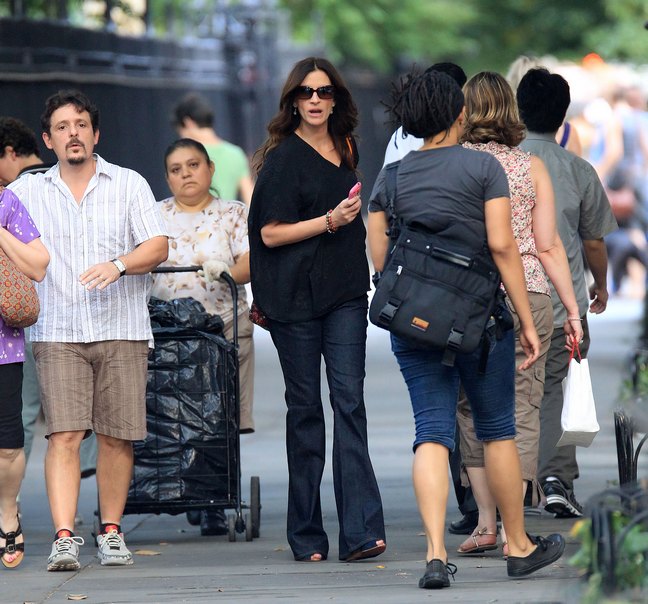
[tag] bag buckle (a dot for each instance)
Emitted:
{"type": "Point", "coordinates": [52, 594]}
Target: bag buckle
{"type": "Point", "coordinates": [387, 312]}
{"type": "Point", "coordinates": [452, 346]}
{"type": "Point", "coordinates": [454, 339]}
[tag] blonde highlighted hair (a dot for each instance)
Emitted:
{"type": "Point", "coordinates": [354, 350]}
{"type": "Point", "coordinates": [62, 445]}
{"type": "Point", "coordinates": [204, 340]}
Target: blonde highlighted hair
{"type": "Point", "coordinates": [491, 111]}
{"type": "Point", "coordinates": [519, 67]}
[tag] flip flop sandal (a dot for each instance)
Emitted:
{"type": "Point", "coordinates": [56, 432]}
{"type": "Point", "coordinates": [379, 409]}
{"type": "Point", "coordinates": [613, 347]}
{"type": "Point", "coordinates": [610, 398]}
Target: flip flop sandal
{"type": "Point", "coordinates": [11, 547]}
{"type": "Point", "coordinates": [368, 550]}
{"type": "Point", "coordinates": [479, 542]}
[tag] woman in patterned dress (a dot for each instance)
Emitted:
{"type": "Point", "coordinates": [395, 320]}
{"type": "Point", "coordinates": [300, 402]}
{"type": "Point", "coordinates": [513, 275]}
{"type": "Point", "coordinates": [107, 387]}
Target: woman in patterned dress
{"type": "Point", "coordinates": [211, 232]}
{"type": "Point", "coordinates": [493, 125]}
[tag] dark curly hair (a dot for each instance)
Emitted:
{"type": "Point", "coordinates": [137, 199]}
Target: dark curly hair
{"type": "Point", "coordinates": [426, 104]}
{"type": "Point", "coordinates": [491, 111]}
{"type": "Point", "coordinates": [15, 134]}
{"type": "Point", "coordinates": [69, 97]}
{"type": "Point", "coordinates": [341, 124]}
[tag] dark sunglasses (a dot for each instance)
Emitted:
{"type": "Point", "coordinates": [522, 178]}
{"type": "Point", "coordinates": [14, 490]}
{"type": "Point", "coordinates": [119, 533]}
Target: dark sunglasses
{"type": "Point", "coordinates": [303, 93]}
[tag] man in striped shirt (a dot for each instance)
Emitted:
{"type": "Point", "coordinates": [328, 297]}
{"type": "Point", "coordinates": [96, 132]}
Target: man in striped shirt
{"type": "Point", "coordinates": [105, 234]}
{"type": "Point", "coordinates": [19, 155]}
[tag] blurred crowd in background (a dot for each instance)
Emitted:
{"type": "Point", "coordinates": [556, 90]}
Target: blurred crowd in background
{"type": "Point", "coordinates": [609, 114]}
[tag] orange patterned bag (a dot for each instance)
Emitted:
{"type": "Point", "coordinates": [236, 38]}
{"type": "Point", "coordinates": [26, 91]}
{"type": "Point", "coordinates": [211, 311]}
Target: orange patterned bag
{"type": "Point", "coordinates": [19, 305]}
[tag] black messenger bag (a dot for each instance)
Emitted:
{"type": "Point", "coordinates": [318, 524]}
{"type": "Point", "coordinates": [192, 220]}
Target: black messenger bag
{"type": "Point", "coordinates": [432, 293]}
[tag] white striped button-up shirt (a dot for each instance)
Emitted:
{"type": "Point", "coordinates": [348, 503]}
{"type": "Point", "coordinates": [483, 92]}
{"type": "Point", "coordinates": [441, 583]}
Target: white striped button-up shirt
{"type": "Point", "coordinates": [117, 212]}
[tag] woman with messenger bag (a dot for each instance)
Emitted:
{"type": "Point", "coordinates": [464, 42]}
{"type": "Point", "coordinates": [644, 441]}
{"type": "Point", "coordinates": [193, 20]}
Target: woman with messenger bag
{"type": "Point", "coordinates": [446, 189]}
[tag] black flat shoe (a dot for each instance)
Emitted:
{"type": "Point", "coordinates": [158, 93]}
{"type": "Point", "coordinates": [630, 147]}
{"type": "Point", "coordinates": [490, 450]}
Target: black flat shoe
{"type": "Point", "coordinates": [436, 575]}
{"type": "Point", "coordinates": [465, 525]}
{"type": "Point", "coordinates": [549, 550]}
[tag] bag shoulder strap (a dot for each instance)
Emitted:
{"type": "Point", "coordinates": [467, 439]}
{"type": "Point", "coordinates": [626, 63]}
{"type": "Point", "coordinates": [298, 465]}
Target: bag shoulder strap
{"type": "Point", "coordinates": [391, 174]}
{"type": "Point", "coordinates": [565, 136]}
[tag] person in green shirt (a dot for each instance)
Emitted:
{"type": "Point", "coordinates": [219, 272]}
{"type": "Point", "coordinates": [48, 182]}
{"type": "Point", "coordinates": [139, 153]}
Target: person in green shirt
{"type": "Point", "coordinates": [194, 118]}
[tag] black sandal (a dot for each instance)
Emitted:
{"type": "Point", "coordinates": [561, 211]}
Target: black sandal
{"type": "Point", "coordinates": [11, 547]}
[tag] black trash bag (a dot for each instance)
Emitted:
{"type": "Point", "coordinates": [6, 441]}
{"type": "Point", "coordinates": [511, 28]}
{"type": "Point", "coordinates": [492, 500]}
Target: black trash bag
{"type": "Point", "coordinates": [186, 313]}
{"type": "Point", "coordinates": [189, 454]}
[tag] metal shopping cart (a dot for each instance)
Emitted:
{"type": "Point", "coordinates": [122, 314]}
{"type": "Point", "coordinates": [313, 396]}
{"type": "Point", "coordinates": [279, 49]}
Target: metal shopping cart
{"type": "Point", "coordinates": [190, 459]}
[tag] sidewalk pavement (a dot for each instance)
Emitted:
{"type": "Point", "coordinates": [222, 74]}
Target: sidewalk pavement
{"type": "Point", "coordinates": [173, 563]}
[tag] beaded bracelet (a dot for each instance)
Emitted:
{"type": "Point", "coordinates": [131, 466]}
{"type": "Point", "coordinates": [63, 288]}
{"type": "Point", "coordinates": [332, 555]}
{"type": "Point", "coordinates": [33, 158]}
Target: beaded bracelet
{"type": "Point", "coordinates": [574, 319]}
{"type": "Point", "coordinates": [330, 227]}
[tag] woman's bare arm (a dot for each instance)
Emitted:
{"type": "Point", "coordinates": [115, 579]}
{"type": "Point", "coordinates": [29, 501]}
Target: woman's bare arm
{"type": "Point", "coordinates": [506, 255]}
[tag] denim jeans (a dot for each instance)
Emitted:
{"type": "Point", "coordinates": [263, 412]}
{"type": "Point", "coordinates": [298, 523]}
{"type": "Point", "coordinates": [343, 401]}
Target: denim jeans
{"type": "Point", "coordinates": [340, 338]}
{"type": "Point", "coordinates": [434, 389]}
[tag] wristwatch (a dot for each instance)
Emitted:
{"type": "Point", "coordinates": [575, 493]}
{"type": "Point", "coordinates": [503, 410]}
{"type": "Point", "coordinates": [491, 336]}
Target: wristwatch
{"type": "Point", "coordinates": [121, 267]}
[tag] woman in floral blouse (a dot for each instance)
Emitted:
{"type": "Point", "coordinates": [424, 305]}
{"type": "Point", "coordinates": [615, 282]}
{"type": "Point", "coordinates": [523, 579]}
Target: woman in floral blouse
{"type": "Point", "coordinates": [211, 232]}
{"type": "Point", "coordinates": [493, 125]}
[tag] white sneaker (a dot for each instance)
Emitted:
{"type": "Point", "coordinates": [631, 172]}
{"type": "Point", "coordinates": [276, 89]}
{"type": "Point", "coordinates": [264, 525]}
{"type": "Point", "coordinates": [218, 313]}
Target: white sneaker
{"type": "Point", "coordinates": [65, 554]}
{"type": "Point", "coordinates": [113, 550]}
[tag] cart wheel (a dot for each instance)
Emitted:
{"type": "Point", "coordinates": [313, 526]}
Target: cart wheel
{"type": "Point", "coordinates": [231, 527]}
{"type": "Point", "coordinates": [255, 505]}
{"type": "Point", "coordinates": [248, 527]}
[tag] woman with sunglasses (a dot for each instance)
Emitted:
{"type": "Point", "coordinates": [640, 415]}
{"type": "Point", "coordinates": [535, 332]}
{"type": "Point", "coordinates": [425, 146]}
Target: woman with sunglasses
{"type": "Point", "coordinates": [310, 278]}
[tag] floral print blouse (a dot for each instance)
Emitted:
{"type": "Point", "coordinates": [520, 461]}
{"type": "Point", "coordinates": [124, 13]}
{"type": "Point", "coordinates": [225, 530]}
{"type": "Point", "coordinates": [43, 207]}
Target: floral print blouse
{"type": "Point", "coordinates": [517, 165]}
{"type": "Point", "coordinates": [217, 232]}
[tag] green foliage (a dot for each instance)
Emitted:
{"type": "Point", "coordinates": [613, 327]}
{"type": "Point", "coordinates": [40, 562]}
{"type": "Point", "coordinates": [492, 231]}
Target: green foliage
{"type": "Point", "coordinates": [390, 35]}
{"type": "Point", "coordinates": [631, 557]}
{"type": "Point", "coordinates": [40, 9]}
{"type": "Point", "coordinates": [382, 33]}
{"type": "Point", "coordinates": [624, 38]}
{"type": "Point", "coordinates": [509, 28]}
{"type": "Point", "coordinates": [479, 34]}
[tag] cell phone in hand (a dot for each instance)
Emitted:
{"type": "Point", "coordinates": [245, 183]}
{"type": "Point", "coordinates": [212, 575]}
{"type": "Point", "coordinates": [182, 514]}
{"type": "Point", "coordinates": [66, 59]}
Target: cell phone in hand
{"type": "Point", "coordinates": [355, 190]}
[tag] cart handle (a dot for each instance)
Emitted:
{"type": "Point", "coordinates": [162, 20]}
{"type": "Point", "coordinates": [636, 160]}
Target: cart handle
{"type": "Point", "coordinates": [177, 269]}
{"type": "Point", "coordinates": [224, 276]}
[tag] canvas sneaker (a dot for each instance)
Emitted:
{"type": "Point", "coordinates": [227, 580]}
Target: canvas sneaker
{"type": "Point", "coordinates": [548, 550]}
{"type": "Point", "coordinates": [65, 553]}
{"type": "Point", "coordinates": [437, 575]}
{"type": "Point", "coordinates": [560, 501]}
{"type": "Point", "coordinates": [113, 550]}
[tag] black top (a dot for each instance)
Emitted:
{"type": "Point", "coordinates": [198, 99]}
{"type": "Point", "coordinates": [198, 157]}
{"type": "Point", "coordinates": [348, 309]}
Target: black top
{"type": "Point", "coordinates": [307, 279]}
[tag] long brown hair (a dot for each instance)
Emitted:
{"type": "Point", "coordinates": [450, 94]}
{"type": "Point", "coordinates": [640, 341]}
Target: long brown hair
{"type": "Point", "coordinates": [341, 123]}
{"type": "Point", "coordinates": [491, 111]}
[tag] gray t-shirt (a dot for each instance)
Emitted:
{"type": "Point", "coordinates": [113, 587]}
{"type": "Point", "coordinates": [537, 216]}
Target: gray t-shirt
{"type": "Point", "coordinates": [582, 210]}
{"type": "Point", "coordinates": [444, 190]}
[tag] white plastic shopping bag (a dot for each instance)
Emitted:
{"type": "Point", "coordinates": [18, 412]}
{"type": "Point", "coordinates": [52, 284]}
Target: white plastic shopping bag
{"type": "Point", "coordinates": [578, 419]}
